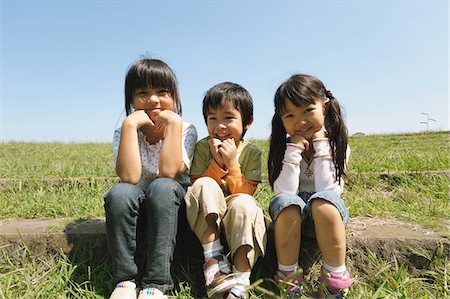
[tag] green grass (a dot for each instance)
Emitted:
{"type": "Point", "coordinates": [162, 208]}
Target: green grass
{"type": "Point", "coordinates": [390, 176]}
{"type": "Point", "coordinates": [55, 160]}
{"type": "Point", "coordinates": [38, 199]}
{"type": "Point", "coordinates": [409, 152]}
{"type": "Point", "coordinates": [69, 180]}
{"type": "Point", "coordinates": [24, 274]}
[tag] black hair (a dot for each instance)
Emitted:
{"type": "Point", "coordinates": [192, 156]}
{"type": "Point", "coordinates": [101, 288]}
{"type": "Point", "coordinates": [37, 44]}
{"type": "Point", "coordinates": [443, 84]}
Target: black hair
{"type": "Point", "coordinates": [303, 89]}
{"type": "Point", "coordinates": [233, 93]}
{"type": "Point", "coordinates": [151, 73]}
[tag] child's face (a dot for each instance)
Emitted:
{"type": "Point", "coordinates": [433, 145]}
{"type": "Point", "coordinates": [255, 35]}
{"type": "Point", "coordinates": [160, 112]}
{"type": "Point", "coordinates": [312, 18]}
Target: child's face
{"type": "Point", "coordinates": [306, 119]}
{"type": "Point", "coordinates": [153, 101]}
{"type": "Point", "coordinates": [225, 122]}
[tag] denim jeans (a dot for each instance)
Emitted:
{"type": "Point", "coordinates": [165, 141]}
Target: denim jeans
{"type": "Point", "coordinates": [141, 228]}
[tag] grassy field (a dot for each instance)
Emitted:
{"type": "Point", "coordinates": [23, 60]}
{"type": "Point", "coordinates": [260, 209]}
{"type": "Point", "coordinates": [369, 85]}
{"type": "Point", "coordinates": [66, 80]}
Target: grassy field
{"type": "Point", "coordinates": [390, 176]}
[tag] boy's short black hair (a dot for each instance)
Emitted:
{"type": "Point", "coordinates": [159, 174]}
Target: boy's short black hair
{"type": "Point", "coordinates": [229, 92]}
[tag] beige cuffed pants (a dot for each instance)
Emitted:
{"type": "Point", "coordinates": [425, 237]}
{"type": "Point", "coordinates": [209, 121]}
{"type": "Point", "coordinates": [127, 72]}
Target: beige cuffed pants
{"type": "Point", "coordinates": [239, 215]}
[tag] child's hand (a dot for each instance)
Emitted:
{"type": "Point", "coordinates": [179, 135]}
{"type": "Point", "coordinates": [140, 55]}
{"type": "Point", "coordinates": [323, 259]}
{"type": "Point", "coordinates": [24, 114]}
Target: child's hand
{"type": "Point", "coordinates": [139, 119]}
{"type": "Point", "coordinates": [319, 134]}
{"type": "Point", "coordinates": [166, 118]}
{"type": "Point", "coordinates": [300, 140]}
{"type": "Point", "coordinates": [214, 144]}
{"type": "Point", "coordinates": [228, 151]}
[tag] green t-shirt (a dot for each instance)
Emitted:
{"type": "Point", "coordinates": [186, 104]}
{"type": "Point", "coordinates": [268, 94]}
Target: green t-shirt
{"type": "Point", "coordinates": [248, 155]}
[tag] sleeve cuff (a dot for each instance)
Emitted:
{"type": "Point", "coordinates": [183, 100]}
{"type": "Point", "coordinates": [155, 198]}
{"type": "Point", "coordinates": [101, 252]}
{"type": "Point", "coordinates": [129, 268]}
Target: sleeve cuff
{"type": "Point", "coordinates": [236, 170]}
{"type": "Point", "coordinates": [321, 147]}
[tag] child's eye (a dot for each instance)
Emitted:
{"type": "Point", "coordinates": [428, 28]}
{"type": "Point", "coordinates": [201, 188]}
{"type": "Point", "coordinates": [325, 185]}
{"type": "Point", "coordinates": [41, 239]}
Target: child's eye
{"type": "Point", "coordinates": [230, 117]}
{"type": "Point", "coordinates": [289, 116]}
{"type": "Point", "coordinates": [141, 95]}
{"type": "Point", "coordinates": [163, 93]}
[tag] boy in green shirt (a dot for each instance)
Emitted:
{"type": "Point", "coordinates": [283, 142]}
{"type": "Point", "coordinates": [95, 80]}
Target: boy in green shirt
{"type": "Point", "coordinates": [225, 172]}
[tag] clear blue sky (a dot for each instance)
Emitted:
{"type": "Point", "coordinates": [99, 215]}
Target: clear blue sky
{"type": "Point", "coordinates": [63, 63]}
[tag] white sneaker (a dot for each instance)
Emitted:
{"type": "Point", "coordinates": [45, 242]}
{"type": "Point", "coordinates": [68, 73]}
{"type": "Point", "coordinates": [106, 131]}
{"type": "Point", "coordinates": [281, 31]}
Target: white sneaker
{"type": "Point", "coordinates": [124, 290]}
{"type": "Point", "coordinates": [151, 293]}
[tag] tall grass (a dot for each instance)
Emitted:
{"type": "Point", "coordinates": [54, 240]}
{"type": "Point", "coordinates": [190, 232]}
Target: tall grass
{"type": "Point", "coordinates": [23, 274]}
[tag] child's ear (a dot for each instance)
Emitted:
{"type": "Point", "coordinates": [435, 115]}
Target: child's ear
{"type": "Point", "coordinates": [249, 123]}
{"type": "Point", "coordinates": [326, 106]}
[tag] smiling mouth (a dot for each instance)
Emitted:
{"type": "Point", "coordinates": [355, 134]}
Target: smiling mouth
{"type": "Point", "coordinates": [153, 111]}
{"type": "Point", "coordinates": [302, 132]}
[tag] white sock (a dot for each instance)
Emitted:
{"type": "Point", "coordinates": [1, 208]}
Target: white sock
{"type": "Point", "coordinates": [152, 291]}
{"type": "Point", "coordinates": [338, 270]}
{"type": "Point", "coordinates": [242, 281]}
{"type": "Point", "coordinates": [288, 268]}
{"type": "Point", "coordinates": [126, 284]}
{"type": "Point", "coordinates": [212, 249]}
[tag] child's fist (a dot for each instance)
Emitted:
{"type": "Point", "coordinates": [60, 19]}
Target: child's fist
{"type": "Point", "coordinates": [214, 145]}
{"type": "Point", "coordinates": [300, 140]}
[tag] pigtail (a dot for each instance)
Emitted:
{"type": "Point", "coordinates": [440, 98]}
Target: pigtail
{"type": "Point", "coordinates": [277, 147]}
{"type": "Point", "coordinates": [337, 134]}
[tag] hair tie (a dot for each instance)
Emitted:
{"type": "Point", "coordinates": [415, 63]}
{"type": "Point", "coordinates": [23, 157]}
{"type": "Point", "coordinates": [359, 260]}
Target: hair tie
{"type": "Point", "coordinates": [328, 94]}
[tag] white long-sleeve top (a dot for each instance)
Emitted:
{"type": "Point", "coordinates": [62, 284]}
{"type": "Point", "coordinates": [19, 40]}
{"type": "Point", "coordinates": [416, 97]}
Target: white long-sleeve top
{"type": "Point", "coordinates": [298, 175]}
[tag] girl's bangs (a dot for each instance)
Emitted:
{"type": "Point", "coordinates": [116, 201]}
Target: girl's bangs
{"type": "Point", "coordinates": [155, 78]}
{"type": "Point", "coordinates": [290, 93]}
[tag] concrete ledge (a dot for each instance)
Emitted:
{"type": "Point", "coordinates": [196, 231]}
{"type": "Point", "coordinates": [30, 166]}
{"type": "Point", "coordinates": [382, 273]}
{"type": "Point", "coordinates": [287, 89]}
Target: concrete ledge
{"type": "Point", "coordinates": [384, 237]}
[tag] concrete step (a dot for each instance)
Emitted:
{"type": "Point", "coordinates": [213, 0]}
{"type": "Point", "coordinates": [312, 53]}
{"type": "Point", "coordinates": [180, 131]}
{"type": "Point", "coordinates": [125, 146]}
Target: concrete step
{"type": "Point", "coordinates": [385, 237]}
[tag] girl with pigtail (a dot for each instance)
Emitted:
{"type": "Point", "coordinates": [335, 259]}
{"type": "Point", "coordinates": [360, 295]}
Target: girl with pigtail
{"type": "Point", "coordinates": [307, 160]}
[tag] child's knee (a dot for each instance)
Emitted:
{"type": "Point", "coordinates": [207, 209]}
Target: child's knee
{"type": "Point", "coordinates": [285, 201]}
{"type": "Point", "coordinates": [291, 213]}
{"type": "Point", "coordinates": [122, 198]}
{"type": "Point", "coordinates": [204, 182]}
{"type": "Point", "coordinates": [243, 202]}
{"type": "Point", "coordinates": [163, 186]}
{"type": "Point", "coordinates": [202, 189]}
{"type": "Point", "coordinates": [323, 209]}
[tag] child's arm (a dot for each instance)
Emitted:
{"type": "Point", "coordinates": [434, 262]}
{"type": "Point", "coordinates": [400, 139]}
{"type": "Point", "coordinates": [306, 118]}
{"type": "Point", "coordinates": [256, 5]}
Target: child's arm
{"type": "Point", "coordinates": [223, 153]}
{"type": "Point", "coordinates": [200, 167]}
{"type": "Point", "coordinates": [171, 157]}
{"type": "Point", "coordinates": [235, 179]}
{"type": "Point", "coordinates": [324, 169]}
{"type": "Point", "coordinates": [213, 171]}
{"type": "Point", "coordinates": [237, 183]}
{"type": "Point", "coordinates": [289, 179]}
{"type": "Point", "coordinates": [128, 162]}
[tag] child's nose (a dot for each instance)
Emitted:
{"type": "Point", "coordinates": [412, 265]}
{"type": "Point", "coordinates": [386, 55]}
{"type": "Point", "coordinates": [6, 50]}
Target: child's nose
{"type": "Point", "coordinates": [301, 121]}
{"type": "Point", "coordinates": [153, 98]}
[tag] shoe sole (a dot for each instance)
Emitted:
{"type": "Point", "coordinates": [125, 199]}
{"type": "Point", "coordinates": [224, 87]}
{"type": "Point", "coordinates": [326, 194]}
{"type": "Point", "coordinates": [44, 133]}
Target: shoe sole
{"type": "Point", "coordinates": [222, 288]}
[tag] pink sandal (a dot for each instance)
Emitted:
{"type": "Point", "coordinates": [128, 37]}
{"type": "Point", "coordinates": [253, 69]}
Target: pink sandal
{"type": "Point", "coordinates": [293, 283]}
{"type": "Point", "coordinates": [334, 285]}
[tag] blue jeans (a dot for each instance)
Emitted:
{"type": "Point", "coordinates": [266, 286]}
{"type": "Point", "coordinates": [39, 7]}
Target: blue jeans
{"type": "Point", "coordinates": [303, 201]}
{"type": "Point", "coordinates": [141, 228]}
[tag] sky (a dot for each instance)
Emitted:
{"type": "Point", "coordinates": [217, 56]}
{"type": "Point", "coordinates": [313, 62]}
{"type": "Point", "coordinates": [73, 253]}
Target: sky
{"type": "Point", "coordinates": [63, 62]}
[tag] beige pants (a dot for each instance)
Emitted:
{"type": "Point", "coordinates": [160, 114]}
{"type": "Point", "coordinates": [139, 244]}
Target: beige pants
{"type": "Point", "coordinates": [239, 215]}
